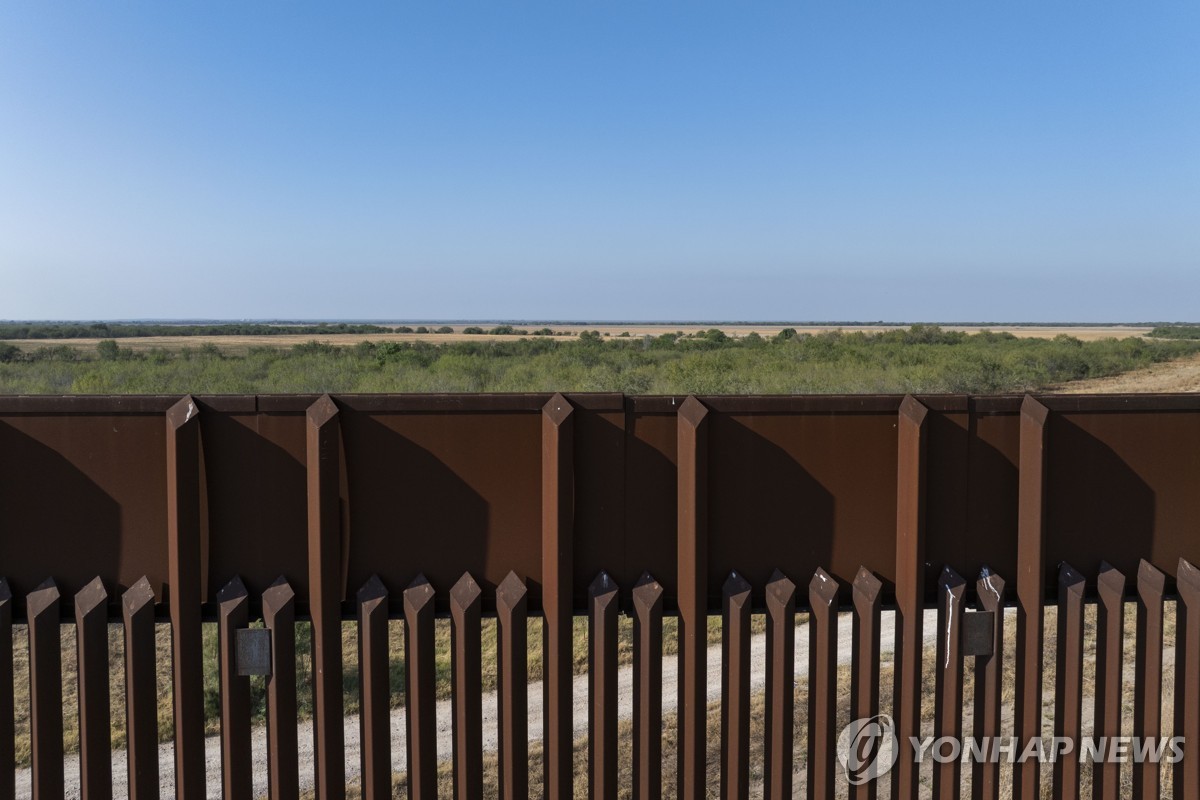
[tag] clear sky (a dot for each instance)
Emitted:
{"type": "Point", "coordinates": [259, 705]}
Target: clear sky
{"type": "Point", "coordinates": [512, 159]}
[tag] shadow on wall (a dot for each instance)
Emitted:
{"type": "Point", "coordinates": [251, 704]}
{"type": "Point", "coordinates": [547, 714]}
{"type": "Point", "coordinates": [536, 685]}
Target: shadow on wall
{"type": "Point", "coordinates": [765, 512]}
{"type": "Point", "coordinates": [971, 517]}
{"type": "Point", "coordinates": [49, 507]}
{"type": "Point", "coordinates": [1098, 508]}
{"type": "Point", "coordinates": [409, 513]}
{"type": "Point", "coordinates": [257, 499]}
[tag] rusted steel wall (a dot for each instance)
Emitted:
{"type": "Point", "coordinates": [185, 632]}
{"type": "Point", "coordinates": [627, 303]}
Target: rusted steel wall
{"type": "Point", "coordinates": [369, 507]}
{"type": "Point", "coordinates": [440, 485]}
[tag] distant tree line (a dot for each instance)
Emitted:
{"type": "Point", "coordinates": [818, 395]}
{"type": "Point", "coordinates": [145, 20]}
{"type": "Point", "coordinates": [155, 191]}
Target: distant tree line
{"type": "Point", "coordinates": [1176, 332]}
{"type": "Point", "coordinates": [119, 330]}
{"type": "Point", "coordinates": [122, 330]}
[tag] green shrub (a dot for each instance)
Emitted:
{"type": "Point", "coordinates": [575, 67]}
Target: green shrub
{"type": "Point", "coordinates": [108, 350]}
{"type": "Point", "coordinates": [1176, 332]}
{"type": "Point", "coordinates": [922, 360]}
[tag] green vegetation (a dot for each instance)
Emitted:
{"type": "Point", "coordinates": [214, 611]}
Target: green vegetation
{"type": "Point", "coordinates": [117, 330]}
{"type": "Point", "coordinates": [1176, 332]}
{"type": "Point", "coordinates": [920, 359]}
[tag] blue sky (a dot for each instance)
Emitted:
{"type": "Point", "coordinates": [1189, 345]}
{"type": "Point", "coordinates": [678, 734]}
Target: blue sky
{"type": "Point", "coordinates": [1015, 161]}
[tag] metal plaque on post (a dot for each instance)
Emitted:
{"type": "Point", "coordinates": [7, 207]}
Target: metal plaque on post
{"type": "Point", "coordinates": [253, 651]}
{"type": "Point", "coordinates": [978, 627]}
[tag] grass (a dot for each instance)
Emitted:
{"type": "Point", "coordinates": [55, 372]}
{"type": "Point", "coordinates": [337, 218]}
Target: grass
{"type": "Point", "coordinates": [921, 359]}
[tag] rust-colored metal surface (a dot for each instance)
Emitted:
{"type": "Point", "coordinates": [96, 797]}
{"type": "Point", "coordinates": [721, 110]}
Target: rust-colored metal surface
{"type": "Point", "coordinates": [233, 615]}
{"type": "Point", "coordinates": [815, 479]}
{"type": "Point", "coordinates": [602, 688]}
{"type": "Point", "coordinates": [989, 689]}
{"type": "Point", "coordinates": [778, 761]}
{"type": "Point", "coordinates": [557, 547]}
{"type": "Point", "coordinates": [420, 690]}
{"type": "Point", "coordinates": [1110, 654]}
{"type": "Point", "coordinates": [45, 693]}
{"type": "Point", "coordinates": [140, 510]}
{"type": "Point", "coordinates": [91, 637]}
{"type": "Point", "coordinates": [8, 774]}
{"type": "Point", "coordinates": [948, 680]}
{"type": "Point", "coordinates": [466, 688]}
{"type": "Point", "coordinates": [375, 730]}
{"type": "Point", "coordinates": [141, 699]}
{"type": "Point", "coordinates": [186, 513]}
{"type": "Point", "coordinates": [1030, 570]}
{"type": "Point", "coordinates": [647, 688]}
{"type": "Point", "coordinates": [864, 667]}
{"type": "Point", "coordinates": [1068, 681]}
{"type": "Point", "coordinates": [735, 689]}
{"type": "Point", "coordinates": [326, 589]}
{"type": "Point", "coordinates": [1187, 678]}
{"type": "Point", "coordinates": [692, 433]}
{"type": "Point", "coordinates": [512, 672]}
{"type": "Point", "coordinates": [1148, 674]}
{"type": "Point", "coordinates": [822, 685]}
{"type": "Point", "coordinates": [909, 575]}
{"type": "Point", "coordinates": [279, 617]}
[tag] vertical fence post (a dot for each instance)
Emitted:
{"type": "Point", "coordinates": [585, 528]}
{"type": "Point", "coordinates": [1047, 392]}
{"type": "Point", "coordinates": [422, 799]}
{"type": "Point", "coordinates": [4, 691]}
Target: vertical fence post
{"type": "Point", "coordinates": [323, 467]}
{"type": "Point", "coordinates": [735, 689]}
{"type": "Point", "coordinates": [557, 558]}
{"type": "Point", "coordinates": [692, 560]}
{"type": "Point", "coordinates": [233, 614]}
{"type": "Point", "coordinates": [45, 692]}
{"type": "Point", "coordinates": [420, 667]}
{"type": "Point", "coordinates": [513, 668]}
{"type": "Point", "coordinates": [647, 688]}
{"type": "Point", "coordinates": [95, 721]}
{"type": "Point", "coordinates": [948, 680]}
{"type": "Point", "coordinates": [910, 589]}
{"type": "Point", "coordinates": [375, 730]}
{"type": "Point", "coordinates": [822, 685]}
{"type": "Point", "coordinates": [781, 689]}
{"type": "Point", "coordinates": [864, 667]}
{"type": "Point", "coordinates": [1031, 558]}
{"type": "Point", "coordinates": [283, 752]}
{"type": "Point", "coordinates": [141, 697]}
{"type": "Point", "coordinates": [1068, 689]}
{"type": "Point", "coordinates": [466, 690]}
{"type": "Point", "coordinates": [1110, 651]}
{"type": "Point", "coordinates": [1148, 675]}
{"type": "Point", "coordinates": [1187, 680]}
{"type": "Point", "coordinates": [8, 763]}
{"type": "Point", "coordinates": [602, 688]}
{"type": "Point", "coordinates": [185, 593]}
{"type": "Point", "coordinates": [989, 672]}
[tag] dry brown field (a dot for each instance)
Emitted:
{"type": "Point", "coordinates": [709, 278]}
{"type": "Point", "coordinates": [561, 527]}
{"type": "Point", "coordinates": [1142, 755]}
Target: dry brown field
{"type": "Point", "coordinates": [1182, 375]}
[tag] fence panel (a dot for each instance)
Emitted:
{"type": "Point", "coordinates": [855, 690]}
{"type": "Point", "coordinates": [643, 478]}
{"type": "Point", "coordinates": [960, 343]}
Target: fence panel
{"type": "Point", "coordinates": [304, 509]}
